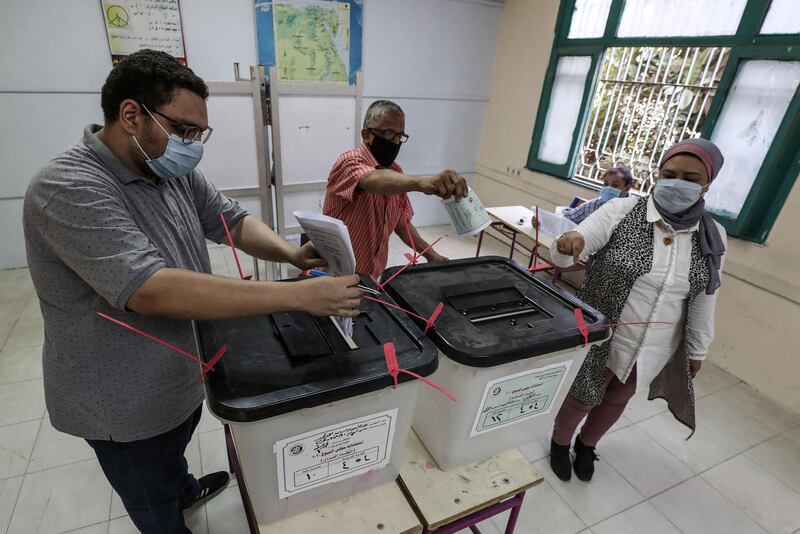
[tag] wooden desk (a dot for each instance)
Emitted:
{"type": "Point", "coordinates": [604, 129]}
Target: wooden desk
{"type": "Point", "coordinates": [381, 510]}
{"type": "Point", "coordinates": [442, 498]}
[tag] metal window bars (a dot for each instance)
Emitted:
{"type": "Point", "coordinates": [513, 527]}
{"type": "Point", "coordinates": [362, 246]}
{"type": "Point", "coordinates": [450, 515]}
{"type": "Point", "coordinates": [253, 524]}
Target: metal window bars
{"type": "Point", "coordinates": [647, 99]}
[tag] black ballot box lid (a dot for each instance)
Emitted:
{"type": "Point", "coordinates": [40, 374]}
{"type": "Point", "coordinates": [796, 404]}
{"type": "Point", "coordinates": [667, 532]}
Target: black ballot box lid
{"type": "Point", "coordinates": [495, 311]}
{"type": "Point", "coordinates": [280, 363]}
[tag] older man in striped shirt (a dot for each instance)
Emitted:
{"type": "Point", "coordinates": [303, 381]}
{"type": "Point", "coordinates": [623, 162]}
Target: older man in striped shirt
{"type": "Point", "coordinates": [367, 190]}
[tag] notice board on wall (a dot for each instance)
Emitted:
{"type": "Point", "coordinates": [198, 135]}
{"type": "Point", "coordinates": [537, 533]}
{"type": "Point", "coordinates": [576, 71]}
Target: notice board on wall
{"type": "Point", "coordinates": [133, 25]}
{"type": "Point", "coordinates": [311, 40]}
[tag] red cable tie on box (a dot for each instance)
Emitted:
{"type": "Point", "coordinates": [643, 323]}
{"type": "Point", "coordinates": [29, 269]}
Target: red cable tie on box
{"type": "Point", "coordinates": [584, 330]}
{"type": "Point", "coordinates": [206, 367]}
{"type": "Point", "coordinates": [404, 267]}
{"type": "Point", "coordinates": [394, 370]}
{"type": "Point", "coordinates": [435, 315]}
{"type": "Point", "coordinates": [233, 248]}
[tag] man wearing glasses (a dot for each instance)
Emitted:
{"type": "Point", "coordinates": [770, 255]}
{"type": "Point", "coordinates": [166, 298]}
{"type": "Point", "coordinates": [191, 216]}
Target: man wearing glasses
{"type": "Point", "coordinates": [367, 190]}
{"type": "Point", "coordinates": [117, 224]}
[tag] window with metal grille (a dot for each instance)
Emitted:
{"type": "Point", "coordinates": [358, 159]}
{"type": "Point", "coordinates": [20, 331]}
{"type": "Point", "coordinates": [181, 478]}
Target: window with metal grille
{"type": "Point", "coordinates": [647, 99]}
{"type": "Point", "coordinates": [629, 78]}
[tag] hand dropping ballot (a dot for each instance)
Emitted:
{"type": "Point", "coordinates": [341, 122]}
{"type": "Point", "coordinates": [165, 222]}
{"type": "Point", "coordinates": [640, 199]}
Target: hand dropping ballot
{"type": "Point", "coordinates": [468, 215]}
{"type": "Point", "coordinates": [332, 241]}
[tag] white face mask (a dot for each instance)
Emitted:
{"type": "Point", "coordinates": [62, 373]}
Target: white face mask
{"type": "Point", "coordinates": [675, 195]}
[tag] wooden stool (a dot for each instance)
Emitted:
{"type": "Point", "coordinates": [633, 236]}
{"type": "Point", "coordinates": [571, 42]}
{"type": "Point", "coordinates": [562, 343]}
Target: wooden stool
{"type": "Point", "coordinates": [380, 510]}
{"type": "Point", "coordinates": [449, 501]}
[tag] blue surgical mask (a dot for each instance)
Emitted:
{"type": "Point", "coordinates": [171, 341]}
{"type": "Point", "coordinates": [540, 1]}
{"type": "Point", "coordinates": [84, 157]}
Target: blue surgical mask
{"type": "Point", "coordinates": [675, 195]}
{"type": "Point", "coordinates": [178, 159]}
{"type": "Point", "coordinates": [608, 192]}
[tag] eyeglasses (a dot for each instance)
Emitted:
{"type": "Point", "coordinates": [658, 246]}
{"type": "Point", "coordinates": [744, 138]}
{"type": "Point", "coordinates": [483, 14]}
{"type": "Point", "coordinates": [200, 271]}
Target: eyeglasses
{"type": "Point", "coordinates": [188, 133]}
{"type": "Point", "coordinates": [390, 135]}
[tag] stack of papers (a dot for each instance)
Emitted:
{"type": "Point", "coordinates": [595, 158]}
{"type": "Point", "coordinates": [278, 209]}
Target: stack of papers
{"type": "Point", "coordinates": [552, 224]}
{"type": "Point", "coordinates": [332, 241]}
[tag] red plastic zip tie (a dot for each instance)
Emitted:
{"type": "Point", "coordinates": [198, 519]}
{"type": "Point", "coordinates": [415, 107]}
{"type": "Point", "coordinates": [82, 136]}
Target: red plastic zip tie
{"type": "Point", "coordinates": [404, 267]}
{"type": "Point", "coordinates": [233, 248]}
{"type": "Point", "coordinates": [206, 367]}
{"type": "Point", "coordinates": [394, 370]}
{"type": "Point", "coordinates": [435, 315]}
{"type": "Point", "coordinates": [584, 330]}
{"type": "Point", "coordinates": [395, 306]}
{"type": "Point", "coordinates": [414, 260]}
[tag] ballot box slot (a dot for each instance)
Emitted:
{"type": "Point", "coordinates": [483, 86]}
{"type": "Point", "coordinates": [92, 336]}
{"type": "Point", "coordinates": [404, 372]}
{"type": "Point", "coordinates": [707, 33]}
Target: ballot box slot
{"type": "Point", "coordinates": [492, 300]}
{"type": "Point", "coordinates": [306, 337]}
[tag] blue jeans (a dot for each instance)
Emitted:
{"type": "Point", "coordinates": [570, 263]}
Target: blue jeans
{"type": "Point", "coordinates": [152, 477]}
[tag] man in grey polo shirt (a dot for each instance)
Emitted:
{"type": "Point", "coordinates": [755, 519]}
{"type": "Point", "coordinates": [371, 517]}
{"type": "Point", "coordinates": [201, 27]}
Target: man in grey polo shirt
{"type": "Point", "coordinates": [117, 224]}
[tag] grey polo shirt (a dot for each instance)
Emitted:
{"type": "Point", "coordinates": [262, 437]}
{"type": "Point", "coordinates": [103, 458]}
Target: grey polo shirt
{"type": "Point", "coordinates": [94, 232]}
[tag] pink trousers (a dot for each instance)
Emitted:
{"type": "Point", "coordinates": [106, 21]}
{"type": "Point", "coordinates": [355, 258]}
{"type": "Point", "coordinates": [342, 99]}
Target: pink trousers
{"type": "Point", "coordinates": [600, 418]}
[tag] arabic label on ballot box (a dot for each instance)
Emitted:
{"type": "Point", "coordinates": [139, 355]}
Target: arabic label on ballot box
{"type": "Point", "coordinates": [514, 398]}
{"type": "Point", "coordinates": [468, 214]}
{"type": "Point", "coordinates": [334, 453]}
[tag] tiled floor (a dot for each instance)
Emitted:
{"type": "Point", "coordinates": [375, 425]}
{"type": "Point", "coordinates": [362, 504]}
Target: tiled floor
{"type": "Point", "coordinates": [740, 473]}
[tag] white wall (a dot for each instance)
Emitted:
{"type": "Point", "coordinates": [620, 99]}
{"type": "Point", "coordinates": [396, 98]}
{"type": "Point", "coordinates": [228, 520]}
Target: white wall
{"type": "Point", "coordinates": [434, 58]}
{"type": "Point", "coordinates": [431, 56]}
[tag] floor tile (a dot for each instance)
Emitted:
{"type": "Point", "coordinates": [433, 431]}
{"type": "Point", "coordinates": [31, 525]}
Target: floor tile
{"type": "Point", "coordinates": [226, 514]}
{"type": "Point", "coordinates": [97, 528]}
{"type": "Point", "coordinates": [54, 448]}
{"type": "Point", "coordinates": [32, 309]}
{"type": "Point", "coordinates": [635, 521]}
{"type": "Point", "coordinates": [711, 379]}
{"type": "Point", "coordinates": [543, 512]}
{"type": "Point", "coordinates": [20, 364]}
{"type": "Point", "coordinates": [16, 446]}
{"type": "Point", "coordinates": [9, 490]}
{"type": "Point", "coordinates": [15, 274]}
{"type": "Point", "coordinates": [606, 495]}
{"type": "Point", "coordinates": [780, 457]}
{"type": "Point", "coordinates": [700, 452]}
{"type": "Point", "coordinates": [757, 493]}
{"type": "Point", "coordinates": [63, 498]}
{"type": "Point", "coordinates": [122, 525]}
{"type": "Point", "coordinates": [26, 333]}
{"type": "Point", "coordinates": [213, 452]}
{"type": "Point", "coordinates": [639, 408]}
{"type": "Point", "coordinates": [19, 289]}
{"type": "Point", "coordinates": [208, 422]}
{"type": "Point", "coordinates": [697, 508]}
{"type": "Point", "coordinates": [649, 467]}
{"type": "Point", "coordinates": [740, 425]}
{"type": "Point", "coordinates": [5, 330]}
{"type": "Point", "coordinates": [11, 309]}
{"type": "Point", "coordinates": [486, 526]}
{"type": "Point", "coordinates": [21, 401]}
{"type": "Point", "coordinates": [536, 450]}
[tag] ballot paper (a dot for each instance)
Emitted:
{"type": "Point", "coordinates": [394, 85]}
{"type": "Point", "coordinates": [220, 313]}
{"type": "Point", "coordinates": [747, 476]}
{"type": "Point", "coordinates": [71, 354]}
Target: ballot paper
{"type": "Point", "coordinates": [332, 241]}
{"type": "Point", "coordinates": [468, 215]}
{"type": "Point", "coordinates": [552, 224]}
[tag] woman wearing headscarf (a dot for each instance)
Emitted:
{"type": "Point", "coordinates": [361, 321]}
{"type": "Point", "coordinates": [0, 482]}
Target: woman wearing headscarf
{"type": "Point", "coordinates": [656, 259]}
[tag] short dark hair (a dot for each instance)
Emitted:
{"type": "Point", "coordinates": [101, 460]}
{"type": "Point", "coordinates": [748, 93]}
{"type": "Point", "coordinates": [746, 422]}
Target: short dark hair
{"type": "Point", "coordinates": [378, 110]}
{"type": "Point", "coordinates": [624, 172]}
{"type": "Point", "coordinates": [149, 77]}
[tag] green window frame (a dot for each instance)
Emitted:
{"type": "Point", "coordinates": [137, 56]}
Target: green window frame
{"type": "Point", "coordinates": [781, 165]}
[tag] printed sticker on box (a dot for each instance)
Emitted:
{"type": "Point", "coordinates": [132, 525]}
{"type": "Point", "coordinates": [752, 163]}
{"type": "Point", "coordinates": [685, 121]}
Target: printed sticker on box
{"type": "Point", "coordinates": [334, 453]}
{"type": "Point", "coordinates": [518, 397]}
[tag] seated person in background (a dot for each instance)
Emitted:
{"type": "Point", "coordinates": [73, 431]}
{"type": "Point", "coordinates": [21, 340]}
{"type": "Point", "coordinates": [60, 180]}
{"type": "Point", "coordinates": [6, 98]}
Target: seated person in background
{"type": "Point", "coordinates": [367, 190]}
{"type": "Point", "coordinates": [617, 181]}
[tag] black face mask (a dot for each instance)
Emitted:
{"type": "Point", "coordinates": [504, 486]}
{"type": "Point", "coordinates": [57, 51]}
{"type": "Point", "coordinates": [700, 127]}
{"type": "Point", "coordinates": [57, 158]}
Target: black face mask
{"type": "Point", "coordinates": [384, 151]}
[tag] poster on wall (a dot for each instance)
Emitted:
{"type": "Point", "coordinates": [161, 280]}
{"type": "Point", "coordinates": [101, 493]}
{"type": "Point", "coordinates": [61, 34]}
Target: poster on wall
{"type": "Point", "coordinates": [310, 40]}
{"type": "Point", "coordinates": [133, 25]}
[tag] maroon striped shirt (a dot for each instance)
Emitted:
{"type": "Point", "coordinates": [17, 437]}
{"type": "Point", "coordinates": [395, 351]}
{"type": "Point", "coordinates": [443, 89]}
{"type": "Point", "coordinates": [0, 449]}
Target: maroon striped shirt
{"type": "Point", "coordinates": [371, 218]}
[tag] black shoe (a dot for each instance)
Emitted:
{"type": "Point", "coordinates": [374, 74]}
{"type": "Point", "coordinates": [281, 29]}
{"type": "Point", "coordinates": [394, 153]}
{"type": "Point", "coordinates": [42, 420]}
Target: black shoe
{"type": "Point", "coordinates": [560, 461]}
{"type": "Point", "coordinates": [584, 460]}
{"type": "Point", "coordinates": [210, 486]}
